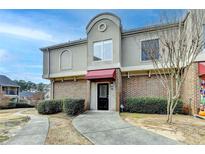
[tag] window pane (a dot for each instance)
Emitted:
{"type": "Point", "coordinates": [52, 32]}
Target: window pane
{"type": "Point", "coordinates": [107, 50]}
{"type": "Point", "coordinates": [150, 48]}
{"type": "Point", "coordinates": [103, 91]}
{"type": "Point", "coordinates": [144, 55]}
{"type": "Point", "coordinates": [98, 51]}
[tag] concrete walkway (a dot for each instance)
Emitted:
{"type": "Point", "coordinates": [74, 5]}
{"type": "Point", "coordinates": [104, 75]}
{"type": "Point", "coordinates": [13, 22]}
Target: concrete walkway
{"type": "Point", "coordinates": [105, 128]}
{"type": "Point", "coordinates": [33, 133]}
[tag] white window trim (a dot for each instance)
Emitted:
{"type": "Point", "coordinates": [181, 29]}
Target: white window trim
{"type": "Point", "coordinates": [68, 68]}
{"type": "Point", "coordinates": [109, 60]}
{"type": "Point", "coordinates": [147, 39]}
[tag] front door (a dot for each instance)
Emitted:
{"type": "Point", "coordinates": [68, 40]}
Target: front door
{"type": "Point", "coordinates": [103, 96]}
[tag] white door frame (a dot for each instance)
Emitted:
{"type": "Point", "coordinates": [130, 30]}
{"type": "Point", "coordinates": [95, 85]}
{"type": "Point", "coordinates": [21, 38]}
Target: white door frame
{"type": "Point", "coordinates": [97, 95]}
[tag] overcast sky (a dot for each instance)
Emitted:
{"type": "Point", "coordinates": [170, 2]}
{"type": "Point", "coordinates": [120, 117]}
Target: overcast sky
{"type": "Point", "coordinates": [23, 32]}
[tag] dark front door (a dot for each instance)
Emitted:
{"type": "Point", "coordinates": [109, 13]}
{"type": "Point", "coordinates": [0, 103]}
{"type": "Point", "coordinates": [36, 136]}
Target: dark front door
{"type": "Point", "coordinates": [103, 96]}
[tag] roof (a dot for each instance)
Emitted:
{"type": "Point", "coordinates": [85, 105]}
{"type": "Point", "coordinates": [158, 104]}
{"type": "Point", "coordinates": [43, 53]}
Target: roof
{"type": "Point", "coordinates": [110, 16]}
{"type": "Point", "coordinates": [26, 94]}
{"type": "Point", "coordinates": [124, 32]}
{"type": "Point", "coordinates": [149, 28]}
{"type": "Point", "coordinates": [65, 44]}
{"type": "Point", "coordinates": [105, 13]}
{"type": "Point", "coordinates": [5, 81]}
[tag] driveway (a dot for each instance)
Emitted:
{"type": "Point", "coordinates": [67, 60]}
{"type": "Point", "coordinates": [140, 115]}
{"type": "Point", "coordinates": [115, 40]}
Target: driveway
{"type": "Point", "coordinates": [33, 133]}
{"type": "Point", "coordinates": [107, 128]}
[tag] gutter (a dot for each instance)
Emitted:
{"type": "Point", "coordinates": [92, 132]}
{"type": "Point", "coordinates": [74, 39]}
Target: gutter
{"type": "Point", "coordinates": [154, 27]}
{"type": "Point", "coordinates": [66, 44]}
{"type": "Point", "coordinates": [148, 29]}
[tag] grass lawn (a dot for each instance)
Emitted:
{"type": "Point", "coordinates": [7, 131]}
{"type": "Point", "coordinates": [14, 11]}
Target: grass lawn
{"type": "Point", "coordinates": [61, 130]}
{"type": "Point", "coordinates": [10, 122]}
{"type": "Point", "coordinates": [186, 129]}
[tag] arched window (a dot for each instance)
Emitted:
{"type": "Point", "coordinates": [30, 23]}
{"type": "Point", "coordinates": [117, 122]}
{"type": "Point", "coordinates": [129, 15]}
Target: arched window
{"type": "Point", "coordinates": [65, 60]}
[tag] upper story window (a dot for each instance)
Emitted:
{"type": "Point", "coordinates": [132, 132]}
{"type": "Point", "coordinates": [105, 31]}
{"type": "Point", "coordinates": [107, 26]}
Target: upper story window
{"type": "Point", "coordinates": [102, 50]}
{"type": "Point", "coordinates": [65, 60]}
{"type": "Point", "coordinates": [149, 49]}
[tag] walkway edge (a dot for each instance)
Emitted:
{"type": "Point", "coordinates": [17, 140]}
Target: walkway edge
{"type": "Point", "coordinates": [84, 135]}
{"type": "Point", "coordinates": [32, 133]}
{"type": "Point", "coordinates": [111, 129]}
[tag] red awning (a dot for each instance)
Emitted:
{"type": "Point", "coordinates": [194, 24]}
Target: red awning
{"type": "Point", "coordinates": [101, 74]}
{"type": "Point", "coordinates": [201, 68]}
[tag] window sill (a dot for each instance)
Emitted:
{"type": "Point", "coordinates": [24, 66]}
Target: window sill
{"type": "Point", "coordinates": [102, 61]}
{"type": "Point", "coordinates": [66, 69]}
{"type": "Point", "coordinates": [146, 61]}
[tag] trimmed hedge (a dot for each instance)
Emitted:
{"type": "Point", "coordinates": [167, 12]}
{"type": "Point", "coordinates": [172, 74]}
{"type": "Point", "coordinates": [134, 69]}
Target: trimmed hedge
{"type": "Point", "coordinates": [24, 105]}
{"type": "Point", "coordinates": [73, 106]}
{"type": "Point", "coordinates": [69, 106]}
{"type": "Point", "coordinates": [151, 105]}
{"type": "Point", "coordinates": [50, 106]}
{"type": "Point", "coordinates": [13, 105]}
{"type": "Point", "coordinates": [10, 105]}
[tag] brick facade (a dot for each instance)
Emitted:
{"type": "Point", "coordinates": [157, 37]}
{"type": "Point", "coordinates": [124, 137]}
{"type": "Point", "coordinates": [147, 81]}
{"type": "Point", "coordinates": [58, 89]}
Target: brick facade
{"type": "Point", "coordinates": [141, 86]}
{"type": "Point", "coordinates": [118, 89]}
{"type": "Point", "coordinates": [134, 86]}
{"type": "Point", "coordinates": [70, 89]}
{"type": "Point", "coordinates": [190, 90]}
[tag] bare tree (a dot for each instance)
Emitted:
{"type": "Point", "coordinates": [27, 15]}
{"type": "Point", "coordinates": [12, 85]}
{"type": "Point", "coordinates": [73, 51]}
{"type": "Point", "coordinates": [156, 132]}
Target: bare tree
{"type": "Point", "coordinates": [180, 44]}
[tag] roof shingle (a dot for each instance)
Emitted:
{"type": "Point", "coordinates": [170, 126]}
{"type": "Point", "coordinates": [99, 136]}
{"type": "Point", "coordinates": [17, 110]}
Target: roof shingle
{"type": "Point", "coordinates": [5, 81]}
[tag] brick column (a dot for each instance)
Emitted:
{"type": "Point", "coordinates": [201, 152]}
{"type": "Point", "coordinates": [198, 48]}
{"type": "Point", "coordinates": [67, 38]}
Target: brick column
{"type": "Point", "coordinates": [52, 89]}
{"type": "Point", "coordinates": [190, 90]}
{"type": "Point", "coordinates": [118, 89]}
{"type": "Point", "coordinates": [88, 93]}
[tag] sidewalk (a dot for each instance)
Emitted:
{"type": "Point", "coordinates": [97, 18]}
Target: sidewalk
{"type": "Point", "coordinates": [33, 133]}
{"type": "Point", "coordinates": [108, 128]}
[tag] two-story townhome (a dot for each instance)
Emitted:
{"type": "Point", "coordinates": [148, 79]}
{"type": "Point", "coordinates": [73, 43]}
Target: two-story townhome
{"type": "Point", "coordinates": [110, 65]}
{"type": "Point", "coordinates": [9, 88]}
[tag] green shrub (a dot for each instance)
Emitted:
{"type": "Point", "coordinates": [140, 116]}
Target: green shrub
{"type": "Point", "coordinates": [73, 106]}
{"type": "Point", "coordinates": [152, 105]}
{"type": "Point", "coordinates": [10, 105]}
{"type": "Point", "coordinates": [69, 106]}
{"type": "Point", "coordinates": [50, 106]}
{"type": "Point", "coordinates": [23, 105]}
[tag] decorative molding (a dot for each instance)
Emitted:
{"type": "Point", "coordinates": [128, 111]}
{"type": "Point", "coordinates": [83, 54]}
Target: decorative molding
{"type": "Point", "coordinates": [60, 59]}
{"type": "Point", "coordinates": [102, 27]}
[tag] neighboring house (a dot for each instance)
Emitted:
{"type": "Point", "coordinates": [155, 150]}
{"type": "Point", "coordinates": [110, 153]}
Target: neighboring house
{"type": "Point", "coordinates": [110, 65]}
{"type": "Point", "coordinates": [31, 97]}
{"type": "Point", "coordinates": [25, 95]}
{"type": "Point", "coordinates": [9, 88]}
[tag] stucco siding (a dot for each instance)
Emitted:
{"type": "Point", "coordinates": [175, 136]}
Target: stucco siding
{"type": "Point", "coordinates": [131, 46]}
{"type": "Point", "coordinates": [113, 32]}
{"type": "Point", "coordinates": [45, 63]}
{"type": "Point", "coordinates": [78, 58]}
